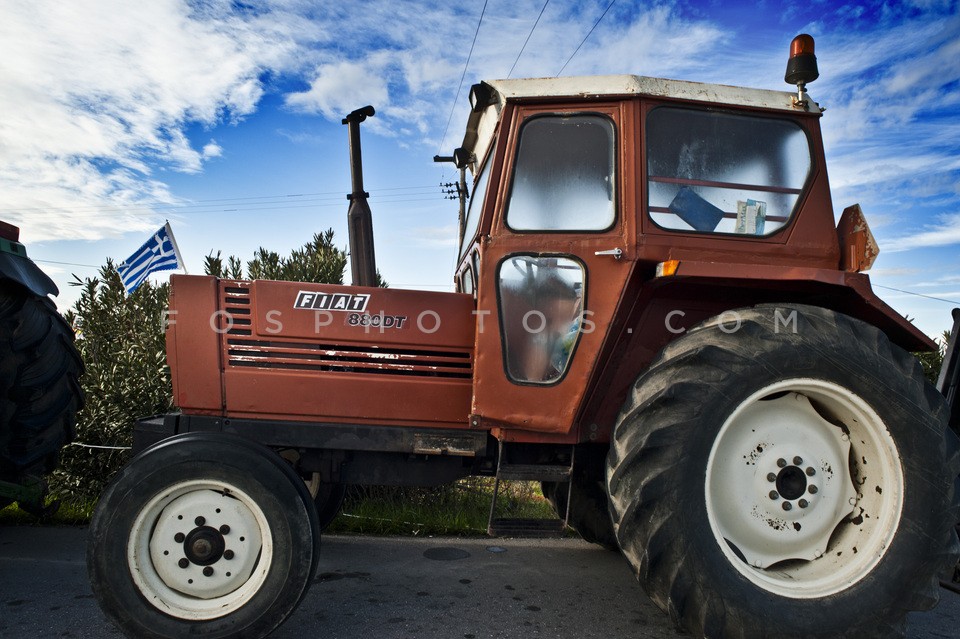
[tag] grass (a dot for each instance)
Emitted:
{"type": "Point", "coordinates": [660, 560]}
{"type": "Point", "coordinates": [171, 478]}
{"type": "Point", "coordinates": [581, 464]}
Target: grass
{"type": "Point", "coordinates": [458, 509]}
{"type": "Point", "coordinates": [69, 514]}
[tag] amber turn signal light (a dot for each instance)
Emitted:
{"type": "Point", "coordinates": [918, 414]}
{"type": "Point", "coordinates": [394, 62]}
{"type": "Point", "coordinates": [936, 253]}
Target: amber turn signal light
{"type": "Point", "coordinates": [665, 269]}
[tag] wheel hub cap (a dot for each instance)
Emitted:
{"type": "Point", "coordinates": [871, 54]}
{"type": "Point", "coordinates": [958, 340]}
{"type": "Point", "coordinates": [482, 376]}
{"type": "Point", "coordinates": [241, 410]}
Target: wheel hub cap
{"type": "Point", "coordinates": [205, 544]}
{"type": "Point", "coordinates": [781, 481]}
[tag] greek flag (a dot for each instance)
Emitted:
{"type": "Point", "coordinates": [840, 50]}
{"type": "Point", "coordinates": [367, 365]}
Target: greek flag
{"type": "Point", "coordinates": [159, 253]}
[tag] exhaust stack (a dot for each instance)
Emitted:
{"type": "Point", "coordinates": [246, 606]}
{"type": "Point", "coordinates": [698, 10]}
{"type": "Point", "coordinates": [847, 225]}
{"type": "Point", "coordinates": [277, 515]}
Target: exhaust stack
{"type": "Point", "coordinates": [363, 263]}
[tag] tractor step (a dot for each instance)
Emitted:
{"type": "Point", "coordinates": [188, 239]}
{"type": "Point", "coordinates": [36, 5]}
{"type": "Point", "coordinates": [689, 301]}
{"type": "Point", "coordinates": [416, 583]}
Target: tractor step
{"type": "Point", "coordinates": [539, 528]}
{"type": "Point", "coordinates": [508, 471]}
{"type": "Point", "coordinates": [533, 472]}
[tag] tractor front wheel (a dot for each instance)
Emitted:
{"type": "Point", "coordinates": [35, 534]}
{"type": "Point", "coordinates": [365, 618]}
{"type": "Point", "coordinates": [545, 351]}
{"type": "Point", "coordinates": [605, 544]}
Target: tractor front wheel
{"type": "Point", "coordinates": [203, 535]}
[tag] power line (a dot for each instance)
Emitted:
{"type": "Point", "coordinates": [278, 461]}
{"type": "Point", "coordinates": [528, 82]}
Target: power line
{"type": "Point", "coordinates": [462, 76]}
{"type": "Point", "coordinates": [64, 263]}
{"type": "Point", "coordinates": [213, 201]}
{"type": "Point", "coordinates": [929, 297]}
{"type": "Point", "coordinates": [395, 198]}
{"type": "Point", "coordinates": [528, 38]}
{"type": "Point", "coordinates": [612, 2]}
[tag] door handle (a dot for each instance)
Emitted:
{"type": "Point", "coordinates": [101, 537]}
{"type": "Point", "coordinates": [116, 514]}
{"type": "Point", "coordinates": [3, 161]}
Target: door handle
{"type": "Point", "coordinates": [616, 253]}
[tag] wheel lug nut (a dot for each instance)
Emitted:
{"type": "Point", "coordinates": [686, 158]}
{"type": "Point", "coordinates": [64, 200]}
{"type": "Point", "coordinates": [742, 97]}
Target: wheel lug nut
{"type": "Point", "coordinates": [228, 554]}
{"type": "Point", "coordinates": [199, 521]}
{"type": "Point", "coordinates": [224, 529]}
{"type": "Point", "coordinates": [771, 477]}
{"type": "Point", "coordinates": [179, 537]}
{"type": "Point", "coordinates": [813, 489]}
{"type": "Point", "coordinates": [782, 463]}
{"type": "Point", "coordinates": [803, 503]}
{"type": "Point", "coordinates": [797, 460]}
{"type": "Point", "coordinates": [774, 494]}
{"type": "Point", "coordinates": [183, 563]}
{"type": "Point", "coordinates": [810, 471]}
{"type": "Point", "coordinates": [208, 571]}
{"type": "Point", "coordinates": [787, 505]}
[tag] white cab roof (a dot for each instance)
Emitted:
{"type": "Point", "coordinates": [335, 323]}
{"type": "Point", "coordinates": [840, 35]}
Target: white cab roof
{"type": "Point", "coordinates": [482, 124]}
{"type": "Point", "coordinates": [625, 85]}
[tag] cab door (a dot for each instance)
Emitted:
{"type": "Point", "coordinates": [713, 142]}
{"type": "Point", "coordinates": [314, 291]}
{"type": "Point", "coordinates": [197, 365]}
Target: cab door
{"type": "Point", "coordinates": [554, 264]}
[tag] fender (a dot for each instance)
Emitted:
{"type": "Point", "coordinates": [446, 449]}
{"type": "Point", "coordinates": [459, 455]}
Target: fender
{"type": "Point", "coordinates": [656, 310]}
{"type": "Point", "coordinates": [850, 293]}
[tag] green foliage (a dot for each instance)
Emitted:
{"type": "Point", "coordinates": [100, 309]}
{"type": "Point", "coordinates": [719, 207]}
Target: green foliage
{"type": "Point", "coordinates": [932, 362]}
{"type": "Point", "coordinates": [121, 341]}
{"type": "Point", "coordinates": [317, 261]}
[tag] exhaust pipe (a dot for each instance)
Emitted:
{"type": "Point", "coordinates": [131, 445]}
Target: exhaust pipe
{"type": "Point", "coordinates": [363, 263]}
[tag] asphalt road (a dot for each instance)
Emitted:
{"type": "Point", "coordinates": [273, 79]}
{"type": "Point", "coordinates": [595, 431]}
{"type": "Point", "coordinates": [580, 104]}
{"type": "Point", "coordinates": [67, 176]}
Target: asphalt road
{"type": "Point", "coordinates": [391, 588]}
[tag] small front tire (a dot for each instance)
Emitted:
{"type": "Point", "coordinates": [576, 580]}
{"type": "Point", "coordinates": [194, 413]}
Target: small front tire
{"type": "Point", "coordinates": [206, 535]}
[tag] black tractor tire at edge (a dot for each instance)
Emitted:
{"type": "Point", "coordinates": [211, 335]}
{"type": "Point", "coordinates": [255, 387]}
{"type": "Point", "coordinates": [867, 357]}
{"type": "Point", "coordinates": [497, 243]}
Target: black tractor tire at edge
{"type": "Point", "coordinates": [39, 388]}
{"type": "Point", "coordinates": [657, 472]}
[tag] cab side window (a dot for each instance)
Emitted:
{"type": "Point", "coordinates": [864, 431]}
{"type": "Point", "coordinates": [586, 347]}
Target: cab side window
{"type": "Point", "coordinates": [721, 173]}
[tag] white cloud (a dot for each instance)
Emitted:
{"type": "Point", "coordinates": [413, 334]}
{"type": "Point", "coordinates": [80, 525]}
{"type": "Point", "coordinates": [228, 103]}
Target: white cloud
{"type": "Point", "coordinates": [211, 150]}
{"type": "Point", "coordinates": [945, 232]}
{"type": "Point", "coordinates": [340, 87]}
{"type": "Point", "coordinates": [95, 93]}
{"type": "Point", "coordinates": [409, 65]}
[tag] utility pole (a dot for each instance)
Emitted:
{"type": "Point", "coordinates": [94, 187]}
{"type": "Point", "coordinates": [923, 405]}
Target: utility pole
{"type": "Point", "coordinates": [456, 190]}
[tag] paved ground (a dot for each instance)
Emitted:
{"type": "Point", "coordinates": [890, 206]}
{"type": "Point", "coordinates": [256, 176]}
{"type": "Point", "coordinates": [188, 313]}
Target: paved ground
{"type": "Point", "coordinates": [393, 588]}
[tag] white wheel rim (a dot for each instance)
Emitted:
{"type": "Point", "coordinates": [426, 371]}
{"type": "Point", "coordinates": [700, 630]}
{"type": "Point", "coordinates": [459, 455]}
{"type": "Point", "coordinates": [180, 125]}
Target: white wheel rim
{"type": "Point", "coordinates": [832, 535]}
{"type": "Point", "coordinates": [200, 550]}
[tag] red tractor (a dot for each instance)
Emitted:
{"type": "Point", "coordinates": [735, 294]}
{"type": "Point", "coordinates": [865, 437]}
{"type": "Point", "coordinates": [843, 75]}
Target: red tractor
{"type": "Point", "coordinates": [657, 317]}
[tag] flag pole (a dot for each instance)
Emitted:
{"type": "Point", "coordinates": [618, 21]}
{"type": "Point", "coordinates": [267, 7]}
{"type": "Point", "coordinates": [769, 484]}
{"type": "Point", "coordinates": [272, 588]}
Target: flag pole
{"type": "Point", "coordinates": [176, 249]}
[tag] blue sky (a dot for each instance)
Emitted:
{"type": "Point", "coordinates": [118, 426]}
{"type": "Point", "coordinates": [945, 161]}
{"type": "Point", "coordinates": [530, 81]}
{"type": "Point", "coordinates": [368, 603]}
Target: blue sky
{"type": "Point", "coordinates": [224, 117]}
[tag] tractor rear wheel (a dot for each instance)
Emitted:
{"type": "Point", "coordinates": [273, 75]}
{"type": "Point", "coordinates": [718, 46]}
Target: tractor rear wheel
{"type": "Point", "coordinates": [39, 389]}
{"type": "Point", "coordinates": [589, 514]}
{"type": "Point", "coordinates": [327, 497]}
{"type": "Point", "coordinates": [786, 472]}
{"type": "Point", "coordinates": [206, 535]}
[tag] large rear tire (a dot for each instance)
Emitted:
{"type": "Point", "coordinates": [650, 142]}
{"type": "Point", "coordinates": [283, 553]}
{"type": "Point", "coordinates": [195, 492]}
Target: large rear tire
{"type": "Point", "coordinates": [203, 535]}
{"type": "Point", "coordinates": [39, 389]}
{"type": "Point", "coordinates": [327, 498]}
{"type": "Point", "coordinates": [786, 473]}
{"type": "Point", "coordinates": [589, 513]}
